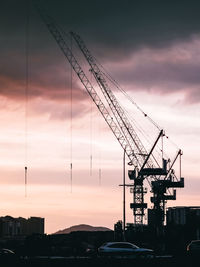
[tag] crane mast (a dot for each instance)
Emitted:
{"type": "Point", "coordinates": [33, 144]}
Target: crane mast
{"type": "Point", "coordinates": [123, 131]}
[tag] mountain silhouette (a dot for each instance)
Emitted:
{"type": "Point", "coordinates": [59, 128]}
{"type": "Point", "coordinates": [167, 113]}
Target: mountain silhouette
{"type": "Point", "coordinates": [82, 227]}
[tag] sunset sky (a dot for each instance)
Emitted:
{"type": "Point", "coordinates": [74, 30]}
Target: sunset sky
{"type": "Point", "coordinates": [151, 48]}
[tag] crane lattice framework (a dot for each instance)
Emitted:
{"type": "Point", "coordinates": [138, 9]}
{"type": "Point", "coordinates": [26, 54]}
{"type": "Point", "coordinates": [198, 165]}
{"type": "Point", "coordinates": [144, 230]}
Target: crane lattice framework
{"type": "Point", "coordinates": [142, 157]}
{"type": "Point", "coordinates": [161, 178]}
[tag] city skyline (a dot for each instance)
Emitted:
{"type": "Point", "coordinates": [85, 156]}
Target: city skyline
{"type": "Point", "coordinates": [151, 49]}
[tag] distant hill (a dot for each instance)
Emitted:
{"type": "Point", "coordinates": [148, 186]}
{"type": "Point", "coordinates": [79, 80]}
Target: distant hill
{"type": "Point", "coordinates": [81, 227]}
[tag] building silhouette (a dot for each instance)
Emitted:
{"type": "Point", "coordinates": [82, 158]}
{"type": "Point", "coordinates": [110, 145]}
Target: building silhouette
{"type": "Point", "coordinates": [187, 218]}
{"type": "Point", "coordinates": [15, 227]}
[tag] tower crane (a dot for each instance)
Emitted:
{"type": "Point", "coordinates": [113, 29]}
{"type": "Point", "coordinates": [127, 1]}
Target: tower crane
{"type": "Point", "coordinates": [141, 156]}
{"type": "Point", "coordinates": [144, 163]}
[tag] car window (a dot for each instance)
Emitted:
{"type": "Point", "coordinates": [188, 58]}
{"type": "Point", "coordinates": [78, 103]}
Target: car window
{"type": "Point", "coordinates": [195, 243]}
{"type": "Point", "coordinates": [127, 246]}
{"type": "Point", "coordinates": [114, 246]}
{"type": "Point", "coordinates": [122, 245]}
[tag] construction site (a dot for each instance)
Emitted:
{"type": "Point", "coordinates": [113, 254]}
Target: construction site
{"type": "Point", "coordinates": [151, 163]}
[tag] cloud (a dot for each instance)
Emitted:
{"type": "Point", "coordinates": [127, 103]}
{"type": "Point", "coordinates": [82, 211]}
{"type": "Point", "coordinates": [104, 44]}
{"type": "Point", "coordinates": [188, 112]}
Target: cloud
{"type": "Point", "coordinates": [58, 110]}
{"type": "Point", "coordinates": [115, 29]}
{"type": "Point", "coordinates": [164, 71]}
{"type": "Point", "coordinates": [150, 45]}
{"type": "Point", "coordinates": [48, 78]}
{"type": "Point", "coordinates": [193, 96]}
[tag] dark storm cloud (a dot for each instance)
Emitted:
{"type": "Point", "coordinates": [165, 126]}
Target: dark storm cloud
{"type": "Point", "coordinates": [112, 29]}
{"type": "Point", "coordinates": [167, 70]}
{"type": "Point", "coordinates": [150, 72]}
{"type": "Point", "coordinates": [46, 81]}
{"type": "Point", "coordinates": [121, 26]}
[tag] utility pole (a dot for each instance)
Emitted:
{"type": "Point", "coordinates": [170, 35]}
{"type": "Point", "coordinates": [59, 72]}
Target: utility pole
{"type": "Point", "coordinates": [124, 194]}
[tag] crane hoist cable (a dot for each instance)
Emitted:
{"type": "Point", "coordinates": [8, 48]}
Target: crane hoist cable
{"type": "Point", "coordinates": [91, 133]}
{"type": "Point", "coordinates": [99, 132]}
{"type": "Point", "coordinates": [27, 28]}
{"type": "Point", "coordinates": [66, 115]}
{"type": "Point", "coordinates": [91, 158]}
{"type": "Point", "coordinates": [114, 82]}
{"type": "Point", "coordinates": [145, 135]}
{"type": "Point", "coordinates": [71, 120]}
{"type": "Point", "coordinates": [70, 40]}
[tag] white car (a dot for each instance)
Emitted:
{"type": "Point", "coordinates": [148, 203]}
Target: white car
{"type": "Point", "coordinates": [194, 248]}
{"type": "Point", "coordinates": [124, 249]}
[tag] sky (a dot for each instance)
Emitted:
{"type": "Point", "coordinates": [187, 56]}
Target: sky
{"type": "Point", "coordinates": [151, 48]}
